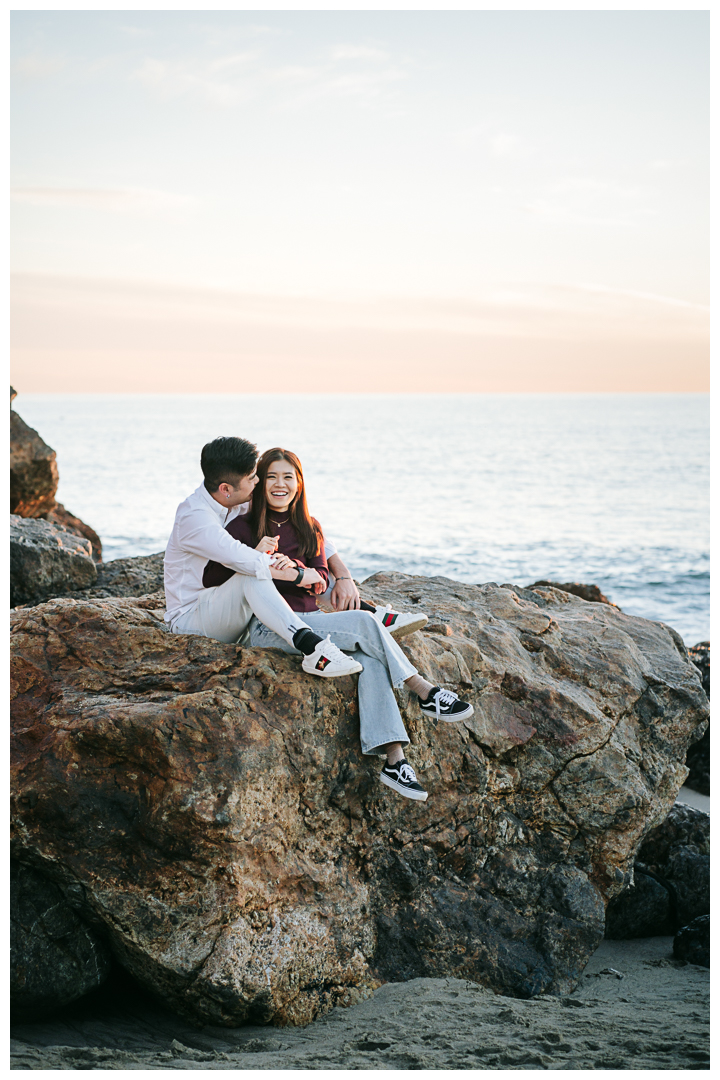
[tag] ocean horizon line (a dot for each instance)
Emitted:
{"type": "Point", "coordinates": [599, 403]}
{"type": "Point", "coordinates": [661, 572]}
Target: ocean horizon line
{"type": "Point", "coordinates": [363, 393]}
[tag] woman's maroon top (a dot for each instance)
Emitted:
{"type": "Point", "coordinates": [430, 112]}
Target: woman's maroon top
{"type": "Point", "coordinates": [299, 599]}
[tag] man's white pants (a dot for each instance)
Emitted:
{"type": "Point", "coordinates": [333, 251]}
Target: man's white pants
{"type": "Point", "coordinates": [224, 611]}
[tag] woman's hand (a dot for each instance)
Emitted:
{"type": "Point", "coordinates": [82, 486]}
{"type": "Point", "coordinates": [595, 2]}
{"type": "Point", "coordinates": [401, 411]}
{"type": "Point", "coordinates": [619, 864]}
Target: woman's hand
{"type": "Point", "coordinates": [282, 562]}
{"type": "Point", "coordinates": [268, 544]}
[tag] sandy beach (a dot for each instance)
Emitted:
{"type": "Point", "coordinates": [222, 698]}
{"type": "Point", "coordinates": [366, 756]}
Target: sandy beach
{"type": "Point", "coordinates": [634, 1008]}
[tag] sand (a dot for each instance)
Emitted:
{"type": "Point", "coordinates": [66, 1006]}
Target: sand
{"type": "Point", "coordinates": [652, 1014]}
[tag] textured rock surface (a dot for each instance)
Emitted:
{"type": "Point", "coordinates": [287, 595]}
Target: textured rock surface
{"type": "Point", "coordinates": [33, 470]}
{"type": "Point", "coordinates": [700, 656]}
{"type": "Point", "coordinates": [62, 517]}
{"type": "Point", "coordinates": [591, 593]}
{"type": "Point", "coordinates": [34, 481]}
{"type": "Point", "coordinates": [678, 852]}
{"type": "Point", "coordinates": [54, 957]}
{"type": "Point", "coordinates": [136, 576]}
{"type": "Point", "coordinates": [698, 756]}
{"type": "Point", "coordinates": [644, 909]}
{"type": "Point", "coordinates": [213, 804]}
{"type": "Point", "coordinates": [692, 942]}
{"type": "Point", "coordinates": [46, 560]}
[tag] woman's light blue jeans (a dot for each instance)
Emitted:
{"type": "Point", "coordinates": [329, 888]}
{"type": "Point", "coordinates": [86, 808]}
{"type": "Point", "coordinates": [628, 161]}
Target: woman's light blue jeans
{"type": "Point", "coordinates": [384, 666]}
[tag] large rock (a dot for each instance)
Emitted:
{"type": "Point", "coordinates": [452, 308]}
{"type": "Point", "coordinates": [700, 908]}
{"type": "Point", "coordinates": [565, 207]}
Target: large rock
{"type": "Point", "coordinates": [700, 656]}
{"type": "Point", "coordinates": [643, 909]}
{"type": "Point", "coordinates": [678, 852]}
{"type": "Point", "coordinates": [692, 942]}
{"type": "Point", "coordinates": [591, 593]}
{"type": "Point", "coordinates": [136, 576]}
{"type": "Point", "coordinates": [211, 805]}
{"type": "Point", "coordinates": [698, 756]}
{"type": "Point", "coordinates": [33, 470]}
{"type": "Point", "coordinates": [34, 482]}
{"type": "Point", "coordinates": [671, 881]}
{"type": "Point", "coordinates": [54, 957]}
{"type": "Point", "coordinates": [62, 517]}
{"type": "Point", "coordinates": [46, 561]}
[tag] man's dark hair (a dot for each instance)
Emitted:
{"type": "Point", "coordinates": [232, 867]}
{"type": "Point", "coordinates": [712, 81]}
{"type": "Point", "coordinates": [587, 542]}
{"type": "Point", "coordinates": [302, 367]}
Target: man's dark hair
{"type": "Point", "coordinates": [226, 461]}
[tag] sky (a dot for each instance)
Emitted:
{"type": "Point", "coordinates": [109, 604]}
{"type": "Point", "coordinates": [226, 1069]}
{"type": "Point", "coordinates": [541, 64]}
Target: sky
{"type": "Point", "coordinates": [360, 201]}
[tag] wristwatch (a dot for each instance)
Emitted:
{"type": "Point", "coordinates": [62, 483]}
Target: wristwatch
{"type": "Point", "coordinates": [300, 576]}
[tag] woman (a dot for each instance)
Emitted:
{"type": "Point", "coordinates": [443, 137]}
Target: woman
{"type": "Point", "coordinates": [279, 521]}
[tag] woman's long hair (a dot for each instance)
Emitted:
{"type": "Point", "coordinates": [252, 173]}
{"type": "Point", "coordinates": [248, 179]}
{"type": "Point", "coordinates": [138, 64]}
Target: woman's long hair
{"type": "Point", "coordinates": [307, 529]}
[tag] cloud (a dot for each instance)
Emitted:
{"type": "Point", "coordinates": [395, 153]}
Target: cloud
{"type": "Point", "coordinates": [513, 311]}
{"type": "Point", "coordinates": [123, 200]}
{"type": "Point", "coordinates": [233, 80]}
{"type": "Point", "coordinates": [74, 335]}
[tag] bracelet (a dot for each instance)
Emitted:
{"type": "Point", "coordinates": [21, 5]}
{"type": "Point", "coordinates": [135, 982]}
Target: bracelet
{"type": "Point", "coordinates": [344, 578]}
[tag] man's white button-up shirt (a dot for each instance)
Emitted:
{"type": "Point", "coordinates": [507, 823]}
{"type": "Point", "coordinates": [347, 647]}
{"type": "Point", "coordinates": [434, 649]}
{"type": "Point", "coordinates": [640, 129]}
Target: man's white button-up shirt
{"type": "Point", "coordinates": [197, 536]}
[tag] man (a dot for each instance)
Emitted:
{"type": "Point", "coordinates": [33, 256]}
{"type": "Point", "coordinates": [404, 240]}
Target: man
{"type": "Point", "coordinates": [229, 470]}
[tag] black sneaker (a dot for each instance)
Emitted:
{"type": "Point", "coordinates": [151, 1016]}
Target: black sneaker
{"type": "Point", "coordinates": [444, 705]}
{"type": "Point", "coordinates": [401, 777]}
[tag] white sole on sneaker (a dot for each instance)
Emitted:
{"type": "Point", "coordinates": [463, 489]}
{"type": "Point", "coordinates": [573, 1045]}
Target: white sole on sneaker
{"type": "Point", "coordinates": [408, 628]}
{"type": "Point", "coordinates": [409, 793]}
{"type": "Point", "coordinates": [449, 718]}
{"type": "Point", "coordinates": [333, 670]}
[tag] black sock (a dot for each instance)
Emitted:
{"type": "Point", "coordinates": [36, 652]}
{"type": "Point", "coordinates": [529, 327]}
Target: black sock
{"type": "Point", "coordinates": [364, 606]}
{"type": "Point", "coordinates": [305, 640]}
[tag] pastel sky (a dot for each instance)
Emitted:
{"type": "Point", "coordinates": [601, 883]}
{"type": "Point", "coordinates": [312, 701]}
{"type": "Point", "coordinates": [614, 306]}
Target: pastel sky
{"type": "Point", "coordinates": [368, 200]}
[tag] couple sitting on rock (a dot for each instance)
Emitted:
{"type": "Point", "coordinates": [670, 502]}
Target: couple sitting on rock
{"type": "Point", "coordinates": [246, 562]}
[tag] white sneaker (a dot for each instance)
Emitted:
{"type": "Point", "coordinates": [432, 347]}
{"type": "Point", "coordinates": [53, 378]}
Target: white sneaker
{"type": "Point", "coordinates": [397, 623]}
{"type": "Point", "coordinates": [329, 662]}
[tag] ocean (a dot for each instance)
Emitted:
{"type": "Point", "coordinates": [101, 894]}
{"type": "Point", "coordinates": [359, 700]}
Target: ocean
{"type": "Point", "coordinates": [609, 489]}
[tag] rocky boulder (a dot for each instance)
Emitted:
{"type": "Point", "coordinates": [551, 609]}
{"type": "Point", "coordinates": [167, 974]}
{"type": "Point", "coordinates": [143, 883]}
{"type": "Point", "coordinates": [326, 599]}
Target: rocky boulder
{"type": "Point", "coordinates": [591, 593]}
{"type": "Point", "coordinates": [692, 943]}
{"type": "Point", "coordinates": [211, 807]}
{"type": "Point", "coordinates": [54, 957]}
{"type": "Point", "coordinates": [643, 909]}
{"type": "Point", "coordinates": [46, 560]}
{"type": "Point", "coordinates": [698, 756]}
{"type": "Point", "coordinates": [62, 517]}
{"type": "Point", "coordinates": [135, 576]}
{"type": "Point", "coordinates": [671, 883]}
{"type": "Point", "coordinates": [678, 853]}
{"type": "Point", "coordinates": [33, 470]}
{"type": "Point", "coordinates": [34, 482]}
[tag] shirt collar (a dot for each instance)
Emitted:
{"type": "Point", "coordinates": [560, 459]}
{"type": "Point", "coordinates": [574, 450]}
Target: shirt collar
{"type": "Point", "coordinates": [215, 506]}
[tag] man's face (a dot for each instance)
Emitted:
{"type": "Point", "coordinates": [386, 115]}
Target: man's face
{"type": "Point", "coordinates": [233, 496]}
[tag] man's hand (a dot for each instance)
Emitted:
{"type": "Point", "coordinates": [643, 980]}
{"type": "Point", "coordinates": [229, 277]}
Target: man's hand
{"type": "Point", "coordinates": [268, 544]}
{"type": "Point", "coordinates": [345, 596]}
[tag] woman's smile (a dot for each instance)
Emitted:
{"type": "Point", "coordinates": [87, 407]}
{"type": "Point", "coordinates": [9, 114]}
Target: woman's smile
{"type": "Point", "coordinates": [281, 485]}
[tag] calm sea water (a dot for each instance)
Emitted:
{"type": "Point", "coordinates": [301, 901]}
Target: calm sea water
{"type": "Point", "coordinates": [608, 489]}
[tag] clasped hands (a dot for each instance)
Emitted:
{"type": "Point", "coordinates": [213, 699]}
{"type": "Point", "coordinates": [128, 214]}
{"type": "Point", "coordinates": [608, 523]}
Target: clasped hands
{"type": "Point", "coordinates": [283, 568]}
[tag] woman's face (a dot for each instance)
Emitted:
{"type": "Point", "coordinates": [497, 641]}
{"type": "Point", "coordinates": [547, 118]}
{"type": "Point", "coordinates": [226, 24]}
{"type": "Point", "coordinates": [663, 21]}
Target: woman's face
{"type": "Point", "coordinates": [281, 484]}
